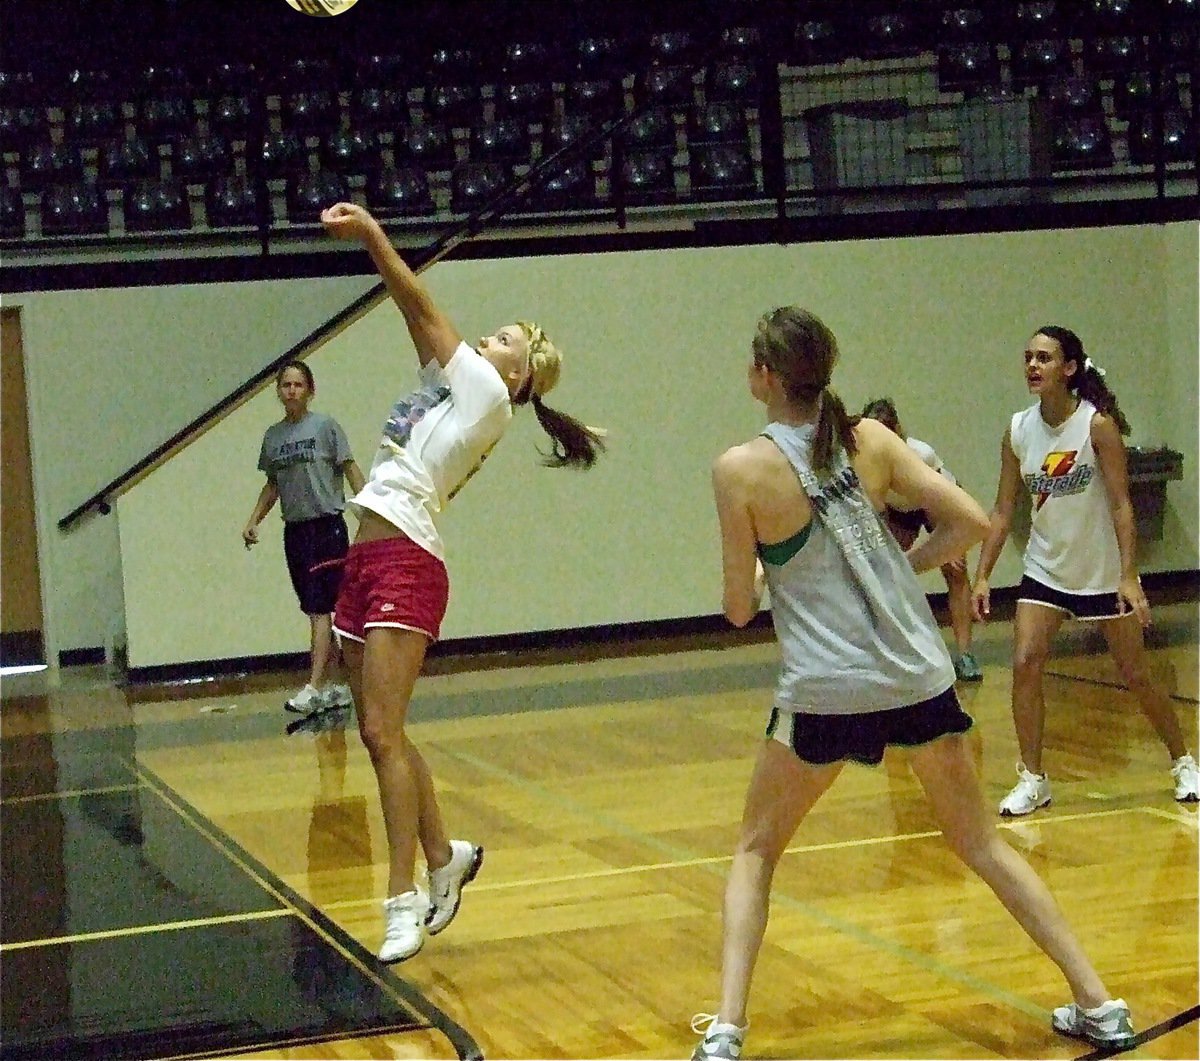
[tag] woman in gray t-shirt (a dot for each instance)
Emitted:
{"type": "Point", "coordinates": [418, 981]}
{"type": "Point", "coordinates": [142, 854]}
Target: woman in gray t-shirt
{"type": "Point", "coordinates": [307, 460]}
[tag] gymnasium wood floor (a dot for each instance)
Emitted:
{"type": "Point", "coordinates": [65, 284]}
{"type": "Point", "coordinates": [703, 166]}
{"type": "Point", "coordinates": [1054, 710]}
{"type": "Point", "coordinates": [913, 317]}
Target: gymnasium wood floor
{"type": "Point", "coordinates": [607, 794]}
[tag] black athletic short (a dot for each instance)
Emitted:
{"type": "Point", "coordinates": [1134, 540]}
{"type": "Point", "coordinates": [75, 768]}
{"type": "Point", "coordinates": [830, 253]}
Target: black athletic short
{"type": "Point", "coordinates": [307, 543]}
{"type": "Point", "coordinates": [1086, 606]}
{"type": "Point", "coordinates": [822, 739]}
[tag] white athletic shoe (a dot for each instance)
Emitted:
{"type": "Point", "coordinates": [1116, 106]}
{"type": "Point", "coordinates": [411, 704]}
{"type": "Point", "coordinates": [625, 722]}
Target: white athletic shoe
{"type": "Point", "coordinates": [1030, 793]}
{"type": "Point", "coordinates": [404, 925]}
{"type": "Point", "coordinates": [1106, 1025]}
{"type": "Point", "coordinates": [339, 696]}
{"type": "Point", "coordinates": [446, 884]}
{"type": "Point", "coordinates": [310, 698]}
{"type": "Point", "coordinates": [721, 1042]}
{"type": "Point", "coordinates": [1187, 779]}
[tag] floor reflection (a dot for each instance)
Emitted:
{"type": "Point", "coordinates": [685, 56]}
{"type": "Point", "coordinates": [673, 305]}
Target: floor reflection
{"type": "Point", "coordinates": [128, 932]}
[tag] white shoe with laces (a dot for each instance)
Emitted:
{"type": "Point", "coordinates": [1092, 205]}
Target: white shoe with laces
{"type": "Point", "coordinates": [721, 1042]}
{"type": "Point", "coordinates": [1187, 779]}
{"type": "Point", "coordinates": [447, 882]}
{"type": "Point", "coordinates": [310, 698]}
{"type": "Point", "coordinates": [1107, 1025]}
{"type": "Point", "coordinates": [404, 925]}
{"type": "Point", "coordinates": [1029, 793]}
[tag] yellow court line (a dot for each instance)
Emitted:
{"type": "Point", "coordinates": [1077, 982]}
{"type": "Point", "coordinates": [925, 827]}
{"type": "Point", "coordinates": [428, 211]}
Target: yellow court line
{"type": "Point", "coordinates": [71, 793]}
{"type": "Point", "coordinates": [799, 849]}
{"type": "Point", "coordinates": [142, 930]}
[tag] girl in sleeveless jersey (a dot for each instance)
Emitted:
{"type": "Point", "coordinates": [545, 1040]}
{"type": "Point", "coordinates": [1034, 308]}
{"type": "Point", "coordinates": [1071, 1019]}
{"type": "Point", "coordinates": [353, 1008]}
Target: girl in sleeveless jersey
{"type": "Point", "coordinates": [1080, 563]}
{"type": "Point", "coordinates": [395, 588]}
{"type": "Point", "coordinates": [907, 523]}
{"type": "Point", "coordinates": [306, 459]}
{"type": "Point", "coordinates": [863, 663]}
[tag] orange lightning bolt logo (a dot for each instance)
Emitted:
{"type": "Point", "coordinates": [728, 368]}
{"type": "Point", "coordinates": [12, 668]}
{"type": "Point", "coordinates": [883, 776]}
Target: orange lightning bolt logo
{"type": "Point", "coordinates": [1055, 466]}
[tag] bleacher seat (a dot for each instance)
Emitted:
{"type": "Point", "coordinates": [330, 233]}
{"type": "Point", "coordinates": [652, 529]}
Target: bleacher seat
{"type": "Point", "coordinates": [280, 154]}
{"type": "Point", "coordinates": [232, 201]}
{"type": "Point", "coordinates": [45, 163]}
{"type": "Point", "coordinates": [648, 176]}
{"type": "Point", "coordinates": [501, 140]}
{"type": "Point", "coordinates": [126, 159]}
{"type": "Point", "coordinates": [474, 184]}
{"type": "Point", "coordinates": [722, 171]}
{"type": "Point", "coordinates": [400, 192]}
{"type": "Point", "coordinates": [200, 158]}
{"type": "Point", "coordinates": [308, 194]}
{"type": "Point", "coordinates": [352, 152]}
{"type": "Point", "coordinates": [76, 209]}
{"type": "Point", "coordinates": [156, 206]}
{"type": "Point", "coordinates": [571, 186]}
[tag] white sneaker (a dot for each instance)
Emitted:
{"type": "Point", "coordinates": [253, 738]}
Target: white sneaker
{"type": "Point", "coordinates": [404, 925]}
{"type": "Point", "coordinates": [1187, 779]}
{"type": "Point", "coordinates": [339, 696]}
{"type": "Point", "coordinates": [721, 1042]}
{"type": "Point", "coordinates": [1106, 1025]}
{"type": "Point", "coordinates": [446, 883]}
{"type": "Point", "coordinates": [1030, 793]}
{"type": "Point", "coordinates": [310, 698]}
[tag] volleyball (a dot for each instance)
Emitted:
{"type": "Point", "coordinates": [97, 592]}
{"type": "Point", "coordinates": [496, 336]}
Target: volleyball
{"type": "Point", "coordinates": [322, 8]}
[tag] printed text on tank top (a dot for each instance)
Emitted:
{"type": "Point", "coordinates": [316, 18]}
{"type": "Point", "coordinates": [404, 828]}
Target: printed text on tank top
{"type": "Point", "coordinates": [855, 524]}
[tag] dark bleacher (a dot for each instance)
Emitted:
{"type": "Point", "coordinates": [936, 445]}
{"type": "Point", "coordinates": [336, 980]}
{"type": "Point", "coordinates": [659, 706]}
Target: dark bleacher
{"type": "Point", "coordinates": [189, 120]}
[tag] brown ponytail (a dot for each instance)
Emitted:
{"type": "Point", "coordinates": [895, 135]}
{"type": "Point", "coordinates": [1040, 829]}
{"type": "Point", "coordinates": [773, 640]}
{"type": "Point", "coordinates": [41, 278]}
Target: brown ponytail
{"type": "Point", "coordinates": [834, 429]}
{"type": "Point", "coordinates": [574, 444]}
{"type": "Point", "coordinates": [1087, 382]}
{"type": "Point", "coordinates": [798, 346]}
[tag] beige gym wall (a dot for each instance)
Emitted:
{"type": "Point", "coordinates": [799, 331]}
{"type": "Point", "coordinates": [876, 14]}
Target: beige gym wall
{"type": "Point", "coordinates": [656, 346]}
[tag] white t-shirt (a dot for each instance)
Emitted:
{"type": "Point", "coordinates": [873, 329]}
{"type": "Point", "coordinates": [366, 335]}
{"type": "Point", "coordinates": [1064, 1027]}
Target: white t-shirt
{"type": "Point", "coordinates": [927, 454]}
{"type": "Point", "coordinates": [434, 440]}
{"type": "Point", "coordinates": [1072, 542]}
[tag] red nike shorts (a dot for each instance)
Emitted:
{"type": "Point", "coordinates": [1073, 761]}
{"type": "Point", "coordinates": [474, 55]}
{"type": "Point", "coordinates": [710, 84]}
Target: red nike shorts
{"type": "Point", "coordinates": [391, 582]}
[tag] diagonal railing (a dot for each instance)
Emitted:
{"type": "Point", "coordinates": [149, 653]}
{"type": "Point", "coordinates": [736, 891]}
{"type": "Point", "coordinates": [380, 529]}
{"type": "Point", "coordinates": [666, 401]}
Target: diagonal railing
{"type": "Point", "coordinates": [488, 214]}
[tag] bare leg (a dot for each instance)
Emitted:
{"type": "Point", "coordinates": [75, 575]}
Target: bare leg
{"type": "Point", "coordinates": [1034, 630]}
{"type": "Point", "coordinates": [321, 648]}
{"type": "Point", "coordinates": [431, 830]}
{"type": "Point", "coordinates": [383, 673]}
{"type": "Point", "coordinates": [958, 600]}
{"type": "Point", "coordinates": [1128, 649]}
{"type": "Point", "coordinates": [782, 790]}
{"type": "Point", "coordinates": [945, 771]}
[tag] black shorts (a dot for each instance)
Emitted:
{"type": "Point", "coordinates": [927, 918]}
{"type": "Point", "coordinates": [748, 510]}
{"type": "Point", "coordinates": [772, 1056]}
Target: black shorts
{"type": "Point", "coordinates": [307, 543]}
{"type": "Point", "coordinates": [913, 520]}
{"type": "Point", "coordinates": [906, 526]}
{"type": "Point", "coordinates": [823, 739]}
{"type": "Point", "coordinates": [1086, 606]}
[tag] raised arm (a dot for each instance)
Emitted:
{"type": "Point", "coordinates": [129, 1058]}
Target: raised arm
{"type": "Point", "coordinates": [1114, 470]}
{"type": "Point", "coordinates": [958, 521]}
{"type": "Point", "coordinates": [433, 334]}
{"type": "Point", "coordinates": [1000, 523]}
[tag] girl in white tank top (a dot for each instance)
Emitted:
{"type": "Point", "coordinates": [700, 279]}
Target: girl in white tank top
{"type": "Point", "coordinates": [1066, 452]}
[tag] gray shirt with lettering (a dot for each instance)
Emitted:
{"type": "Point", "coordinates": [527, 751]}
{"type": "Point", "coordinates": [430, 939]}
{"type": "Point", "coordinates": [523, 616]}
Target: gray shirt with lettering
{"type": "Point", "coordinates": [854, 626]}
{"type": "Point", "coordinates": [304, 460]}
